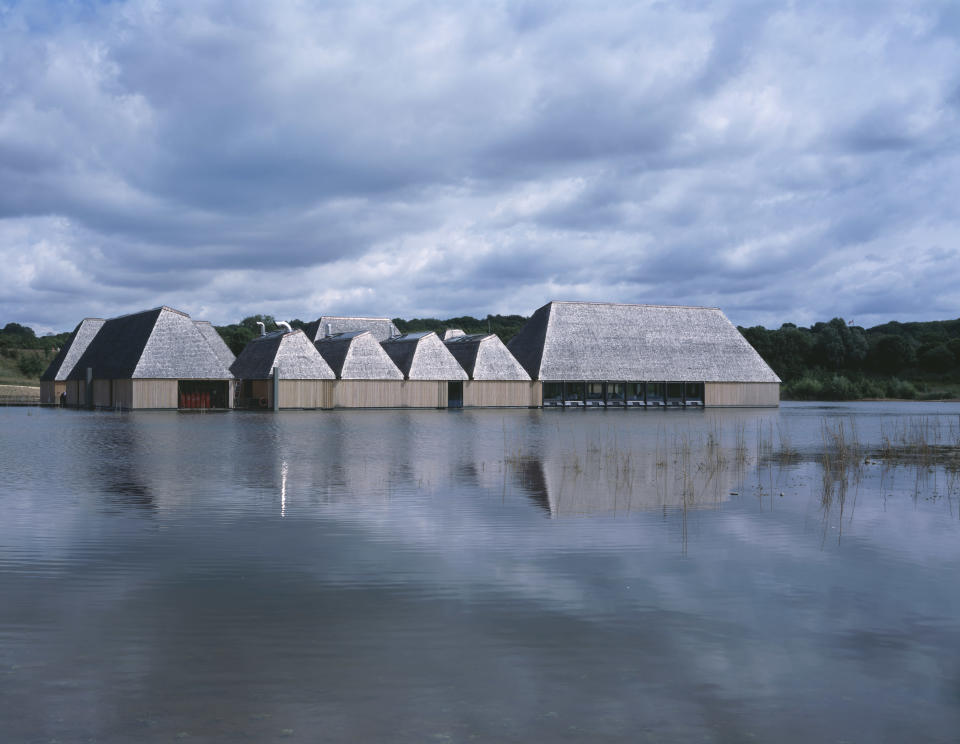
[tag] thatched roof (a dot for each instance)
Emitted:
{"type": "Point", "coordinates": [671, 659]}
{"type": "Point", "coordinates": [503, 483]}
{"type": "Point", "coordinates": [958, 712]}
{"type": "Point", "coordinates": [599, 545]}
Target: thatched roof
{"type": "Point", "coordinates": [291, 351]}
{"type": "Point", "coordinates": [452, 333]}
{"type": "Point", "coordinates": [65, 360]}
{"type": "Point", "coordinates": [357, 356]}
{"type": "Point", "coordinates": [162, 343]}
{"type": "Point", "coordinates": [216, 342]}
{"type": "Point", "coordinates": [484, 357]}
{"type": "Point", "coordinates": [606, 341]}
{"type": "Point", "coordinates": [422, 356]}
{"type": "Point", "coordinates": [381, 328]}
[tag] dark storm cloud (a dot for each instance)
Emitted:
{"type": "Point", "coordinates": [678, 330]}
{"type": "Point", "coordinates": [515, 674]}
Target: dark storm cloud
{"type": "Point", "coordinates": [416, 159]}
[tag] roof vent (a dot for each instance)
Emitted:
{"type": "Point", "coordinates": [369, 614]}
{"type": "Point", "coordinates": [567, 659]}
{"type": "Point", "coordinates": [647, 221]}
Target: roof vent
{"type": "Point", "coordinates": [284, 324]}
{"type": "Point", "coordinates": [327, 329]}
{"type": "Point", "coordinates": [263, 328]}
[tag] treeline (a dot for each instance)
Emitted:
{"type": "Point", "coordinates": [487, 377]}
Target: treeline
{"type": "Point", "coordinates": [839, 361]}
{"type": "Point", "coordinates": [24, 353]}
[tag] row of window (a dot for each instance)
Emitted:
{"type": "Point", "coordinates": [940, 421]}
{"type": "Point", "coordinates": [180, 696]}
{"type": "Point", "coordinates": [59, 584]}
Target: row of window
{"type": "Point", "coordinates": [628, 394]}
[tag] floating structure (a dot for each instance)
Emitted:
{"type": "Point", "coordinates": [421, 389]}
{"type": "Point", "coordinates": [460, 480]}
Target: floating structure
{"type": "Point", "coordinates": [610, 355]}
{"type": "Point", "coordinates": [329, 325]}
{"type": "Point", "coordinates": [496, 378]}
{"type": "Point", "coordinates": [283, 369]}
{"type": "Point", "coordinates": [366, 375]}
{"type": "Point", "coordinates": [432, 376]}
{"type": "Point", "coordinates": [569, 354]}
{"type": "Point", "coordinates": [54, 382]}
{"type": "Point", "coordinates": [157, 358]}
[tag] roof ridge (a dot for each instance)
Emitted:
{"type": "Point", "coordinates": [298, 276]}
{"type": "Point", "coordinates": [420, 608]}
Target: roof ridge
{"type": "Point", "coordinates": [631, 304]}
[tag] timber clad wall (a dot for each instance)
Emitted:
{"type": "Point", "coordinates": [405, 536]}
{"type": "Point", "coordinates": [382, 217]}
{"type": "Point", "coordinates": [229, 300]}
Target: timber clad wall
{"type": "Point", "coordinates": [742, 394]}
{"type": "Point", "coordinates": [368, 394]}
{"type": "Point", "coordinates": [502, 393]}
{"type": "Point", "coordinates": [122, 393]}
{"type": "Point", "coordinates": [390, 394]}
{"type": "Point", "coordinates": [101, 393]}
{"type": "Point", "coordinates": [75, 392]}
{"type": "Point", "coordinates": [305, 393]}
{"type": "Point", "coordinates": [155, 394]}
{"type": "Point", "coordinates": [50, 392]}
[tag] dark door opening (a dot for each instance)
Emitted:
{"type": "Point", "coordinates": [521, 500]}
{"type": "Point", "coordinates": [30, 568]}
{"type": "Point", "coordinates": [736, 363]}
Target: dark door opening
{"type": "Point", "coordinates": [203, 393]}
{"type": "Point", "coordinates": [455, 394]}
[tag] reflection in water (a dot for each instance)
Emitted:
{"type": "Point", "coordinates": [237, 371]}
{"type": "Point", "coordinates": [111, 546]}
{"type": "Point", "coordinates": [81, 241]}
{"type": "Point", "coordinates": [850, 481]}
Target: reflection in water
{"type": "Point", "coordinates": [410, 588]}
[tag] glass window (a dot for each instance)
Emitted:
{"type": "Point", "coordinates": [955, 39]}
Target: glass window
{"type": "Point", "coordinates": [553, 391]}
{"type": "Point", "coordinates": [634, 391]}
{"type": "Point", "coordinates": [615, 391]}
{"type": "Point", "coordinates": [594, 391]}
{"type": "Point", "coordinates": [655, 391]}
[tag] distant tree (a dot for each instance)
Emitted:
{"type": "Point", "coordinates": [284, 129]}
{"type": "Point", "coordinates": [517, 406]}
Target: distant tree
{"type": "Point", "coordinates": [936, 358]}
{"type": "Point", "coordinates": [890, 354]}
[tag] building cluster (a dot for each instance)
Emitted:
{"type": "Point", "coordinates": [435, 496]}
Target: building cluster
{"type": "Point", "coordinates": [569, 354]}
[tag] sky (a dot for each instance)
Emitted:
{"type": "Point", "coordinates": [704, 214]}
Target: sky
{"type": "Point", "coordinates": [784, 161]}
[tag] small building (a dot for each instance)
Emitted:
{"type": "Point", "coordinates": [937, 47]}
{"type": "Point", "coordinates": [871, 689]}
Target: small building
{"type": "Point", "coordinates": [329, 325]}
{"type": "Point", "coordinates": [595, 354]}
{"type": "Point", "coordinates": [283, 369]}
{"type": "Point", "coordinates": [432, 377]}
{"type": "Point", "coordinates": [152, 359]}
{"type": "Point", "coordinates": [366, 375]}
{"type": "Point", "coordinates": [496, 378]}
{"type": "Point", "coordinates": [54, 382]}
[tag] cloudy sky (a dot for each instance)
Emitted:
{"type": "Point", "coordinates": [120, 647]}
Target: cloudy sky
{"type": "Point", "coordinates": [784, 161]}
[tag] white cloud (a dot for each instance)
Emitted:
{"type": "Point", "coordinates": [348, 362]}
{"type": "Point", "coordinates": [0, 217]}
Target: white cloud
{"type": "Point", "coordinates": [419, 159]}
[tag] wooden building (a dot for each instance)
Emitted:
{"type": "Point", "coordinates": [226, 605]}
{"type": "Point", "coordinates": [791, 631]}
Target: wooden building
{"type": "Point", "coordinates": [152, 359]}
{"type": "Point", "coordinates": [283, 369]}
{"type": "Point", "coordinates": [432, 377]}
{"type": "Point", "coordinates": [330, 325]}
{"type": "Point", "coordinates": [54, 380]}
{"type": "Point", "coordinates": [496, 378]}
{"type": "Point", "coordinates": [589, 354]}
{"type": "Point", "coordinates": [366, 375]}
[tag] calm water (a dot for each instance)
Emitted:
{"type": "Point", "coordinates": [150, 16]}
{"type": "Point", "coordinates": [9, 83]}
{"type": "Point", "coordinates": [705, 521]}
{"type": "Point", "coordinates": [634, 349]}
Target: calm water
{"type": "Point", "coordinates": [519, 576]}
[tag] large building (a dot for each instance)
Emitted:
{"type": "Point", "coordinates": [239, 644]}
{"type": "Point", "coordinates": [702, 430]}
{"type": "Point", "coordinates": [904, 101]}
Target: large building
{"type": "Point", "coordinates": [605, 354]}
{"type": "Point", "coordinates": [152, 359]}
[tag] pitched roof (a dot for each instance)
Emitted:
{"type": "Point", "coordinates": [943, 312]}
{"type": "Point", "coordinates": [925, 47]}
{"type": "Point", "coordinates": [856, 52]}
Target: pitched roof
{"type": "Point", "coordinates": [422, 356]}
{"type": "Point", "coordinates": [484, 357]}
{"type": "Point", "coordinates": [607, 341]}
{"type": "Point", "coordinates": [161, 343]}
{"type": "Point", "coordinates": [291, 351]}
{"type": "Point", "coordinates": [381, 328]}
{"type": "Point", "coordinates": [357, 356]}
{"type": "Point", "coordinates": [63, 363]}
{"type": "Point", "coordinates": [216, 342]}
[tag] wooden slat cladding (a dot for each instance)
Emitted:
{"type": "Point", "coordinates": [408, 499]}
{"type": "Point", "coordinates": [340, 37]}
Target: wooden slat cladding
{"type": "Point", "coordinates": [390, 394]}
{"type": "Point", "coordinates": [306, 393]}
{"type": "Point", "coordinates": [122, 393]}
{"type": "Point", "coordinates": [154, 393]}
{"type": "Point", "coordinates": [76, 392]}
{"type": "Point", "coordinates": [502, 394]}
{"type": "Point", "coordinates": [101, 394]}
{"type": "Point", "coordinates": [50, 392]}
{"type": "Point", "coordinates": [742, 394]}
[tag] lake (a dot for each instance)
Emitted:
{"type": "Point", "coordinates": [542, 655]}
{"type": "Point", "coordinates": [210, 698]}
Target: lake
{"type": "Point", "coordinates": [780, 575]}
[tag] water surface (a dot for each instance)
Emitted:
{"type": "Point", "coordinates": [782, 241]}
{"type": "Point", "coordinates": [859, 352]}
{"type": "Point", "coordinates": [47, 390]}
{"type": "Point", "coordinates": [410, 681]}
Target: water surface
{"type": "Point", "coordinates": [481, 575]}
